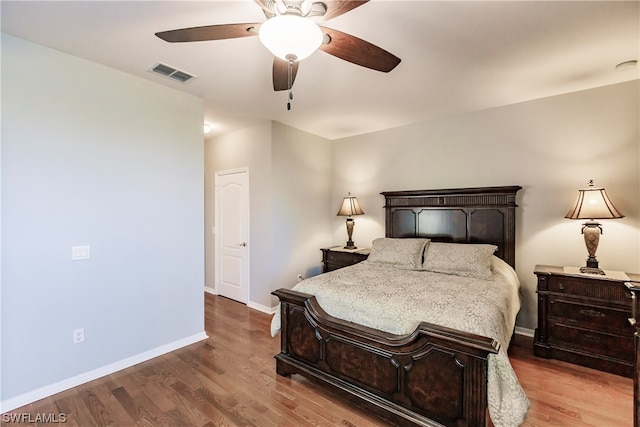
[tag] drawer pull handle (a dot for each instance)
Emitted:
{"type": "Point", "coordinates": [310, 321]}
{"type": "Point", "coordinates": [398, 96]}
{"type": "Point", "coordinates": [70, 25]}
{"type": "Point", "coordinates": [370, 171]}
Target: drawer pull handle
{"type": "Point", "coordinates": [592, 313]}
{"type": "Point", "coordinates": [561, 286]}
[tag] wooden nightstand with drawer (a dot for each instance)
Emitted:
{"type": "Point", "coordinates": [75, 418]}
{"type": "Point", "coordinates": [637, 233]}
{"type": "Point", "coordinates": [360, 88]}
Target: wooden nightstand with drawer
{"type": "Point", "coordinates": [337, 257]}
{"type": "Point", "coordinates": [583, 319]}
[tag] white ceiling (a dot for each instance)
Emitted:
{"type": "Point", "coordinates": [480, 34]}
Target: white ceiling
{"type": "Point", "coordinates": [457, 56]}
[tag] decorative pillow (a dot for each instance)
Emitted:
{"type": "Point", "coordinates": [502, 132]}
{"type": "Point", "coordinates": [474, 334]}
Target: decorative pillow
{"type": "Point", "coordinates": [399, 253]}
{"type": "Point", "coordinates": [469, 260]}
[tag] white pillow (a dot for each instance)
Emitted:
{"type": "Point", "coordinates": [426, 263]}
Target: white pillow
{"type": "Point", "coordinates": [400, 253]}
{"type": "Point", "coordinates": [469, 260]}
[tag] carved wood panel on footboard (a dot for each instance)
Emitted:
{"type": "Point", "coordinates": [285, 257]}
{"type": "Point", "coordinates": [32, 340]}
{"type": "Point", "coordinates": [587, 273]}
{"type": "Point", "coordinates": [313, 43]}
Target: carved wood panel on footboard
{"type": "Point", "coordinates": [435, 376]}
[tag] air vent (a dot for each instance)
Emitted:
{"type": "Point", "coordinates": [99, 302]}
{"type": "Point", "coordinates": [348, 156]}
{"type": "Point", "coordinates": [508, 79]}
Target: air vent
{"type": "Point", "coordinates": [171, 72]}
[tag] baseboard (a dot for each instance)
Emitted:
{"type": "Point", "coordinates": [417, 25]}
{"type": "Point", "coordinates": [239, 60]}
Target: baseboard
{"type": "Point", "coordinates": [46, 391]}
{"type": "Point", "coordinates": [250, 304]}
{"type": "Point", "coordinates": [523, 338]}
{"type": "Point", "coordinates": [524, 331]}
{"type": "Point", "coordinates": [262, 308]}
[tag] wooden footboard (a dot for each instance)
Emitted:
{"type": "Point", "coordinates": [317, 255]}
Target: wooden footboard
{"type": "Point", "coordinates": [435, 376]}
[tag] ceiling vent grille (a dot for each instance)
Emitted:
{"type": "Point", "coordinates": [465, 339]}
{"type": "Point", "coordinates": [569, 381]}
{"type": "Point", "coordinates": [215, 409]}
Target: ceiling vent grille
{"type": "Point", "coordinates": [171, 72]}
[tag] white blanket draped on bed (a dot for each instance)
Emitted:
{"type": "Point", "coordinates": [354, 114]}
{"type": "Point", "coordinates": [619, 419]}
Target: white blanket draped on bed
{"type": "Point", "coordinates": [397, 301]}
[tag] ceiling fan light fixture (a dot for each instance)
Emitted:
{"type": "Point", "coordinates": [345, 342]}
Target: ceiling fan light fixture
{"type": "Point", "coordinates": [286, 35]}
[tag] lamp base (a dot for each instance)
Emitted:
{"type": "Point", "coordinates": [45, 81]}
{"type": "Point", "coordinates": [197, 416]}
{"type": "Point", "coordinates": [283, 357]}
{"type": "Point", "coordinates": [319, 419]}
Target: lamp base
{"type": "Point", "coordinates": [350, 224]}
{"type": "Point", "coordinates": [591, 270]}
{"type": "Point", "coordinates": [350, 245]}
{"type": "Point", "coordinates": [592, 261]}
{"type": "Point", "coordinates": [591, 231]}
{"type": "Point", "coordinates": [592, 266]}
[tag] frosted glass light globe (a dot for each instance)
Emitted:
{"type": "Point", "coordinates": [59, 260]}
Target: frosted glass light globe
{"type": "Point", "coordinates": [287, 35]}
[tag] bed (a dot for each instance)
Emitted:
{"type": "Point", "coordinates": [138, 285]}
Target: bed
{"type": "Point", "coordinates": [428, 373]}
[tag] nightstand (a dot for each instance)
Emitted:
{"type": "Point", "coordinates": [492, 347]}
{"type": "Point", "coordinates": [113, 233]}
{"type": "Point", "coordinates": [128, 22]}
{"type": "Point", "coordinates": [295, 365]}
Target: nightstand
{"type": "Point", "coordinates": [583, 319]}
{"type": "Point", "coordinates": [338, 257]}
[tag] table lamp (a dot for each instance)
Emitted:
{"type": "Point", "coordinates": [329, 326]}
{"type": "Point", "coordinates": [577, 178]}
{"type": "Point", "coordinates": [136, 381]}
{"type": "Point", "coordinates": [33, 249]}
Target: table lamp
{"type": "Point", "coordinates": [593, 203]}
{"type": "Point", "coordinates": [350, 206]}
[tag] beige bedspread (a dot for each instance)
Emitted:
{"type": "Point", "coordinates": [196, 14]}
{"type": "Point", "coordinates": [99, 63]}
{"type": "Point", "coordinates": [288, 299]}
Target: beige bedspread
{"type": "Point", "coordinates": [396, 301]}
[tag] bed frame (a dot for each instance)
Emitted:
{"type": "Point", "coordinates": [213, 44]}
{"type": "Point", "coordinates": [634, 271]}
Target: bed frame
{"type": "Point", "coordinates": [434, 376]}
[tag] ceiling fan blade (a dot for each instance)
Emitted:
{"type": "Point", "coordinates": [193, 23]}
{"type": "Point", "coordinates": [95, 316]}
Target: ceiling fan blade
{"type": "Point", "coordinates": [281, 73]}
{"type": "Point", "coordinates": [338, 7]}
{"type": "Point", "coordinates": [209, 32]}
{"type": "Point", "coordinates": [357, 51]}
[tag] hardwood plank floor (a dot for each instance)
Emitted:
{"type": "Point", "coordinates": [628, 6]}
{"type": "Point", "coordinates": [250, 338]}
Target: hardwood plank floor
{"type": "Point", "coordinates": [230, 380]}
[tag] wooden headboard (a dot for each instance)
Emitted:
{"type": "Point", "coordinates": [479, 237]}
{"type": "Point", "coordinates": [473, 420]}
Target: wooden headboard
{"type": "Point", "coordinates": [459, 215]}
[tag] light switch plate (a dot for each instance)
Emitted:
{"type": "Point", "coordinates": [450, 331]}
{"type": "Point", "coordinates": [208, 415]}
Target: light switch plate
{"type": "Point", "coordinates": [80, 252]}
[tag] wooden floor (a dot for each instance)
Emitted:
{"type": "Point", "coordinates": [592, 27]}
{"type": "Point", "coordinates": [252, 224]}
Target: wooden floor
{"type": "Point", "coordinates": [230, 380]}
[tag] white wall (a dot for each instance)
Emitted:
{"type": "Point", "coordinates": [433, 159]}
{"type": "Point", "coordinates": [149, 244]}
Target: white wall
{"type": "Point", "coordinates": [93, 156]}
{"type": "Point", "coordinates": [301, 211]}
{"type": "Point", "coordinates": [289, 184]}
{"type": "Point", "coordinates": [551, 147]}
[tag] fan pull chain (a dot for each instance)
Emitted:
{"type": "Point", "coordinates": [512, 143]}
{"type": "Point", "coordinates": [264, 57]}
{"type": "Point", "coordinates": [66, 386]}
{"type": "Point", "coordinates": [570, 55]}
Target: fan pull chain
{"type": "Point", "coordinates": [291, 58]}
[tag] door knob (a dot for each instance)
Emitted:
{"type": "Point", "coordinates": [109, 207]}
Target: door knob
{"type": "Point", "coordinates": [242, 244]}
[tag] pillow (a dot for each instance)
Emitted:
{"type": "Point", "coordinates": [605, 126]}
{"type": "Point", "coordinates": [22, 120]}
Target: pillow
{"type": "Point", "coordinates": [461, 259]}
{"type": "Point", "coordinates": [399, 253]}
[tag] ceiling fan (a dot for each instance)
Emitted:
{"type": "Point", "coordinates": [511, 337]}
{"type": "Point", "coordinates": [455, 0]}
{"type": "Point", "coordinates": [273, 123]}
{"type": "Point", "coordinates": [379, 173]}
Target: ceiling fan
{"type": "Point", "coordinates": [291, 34]}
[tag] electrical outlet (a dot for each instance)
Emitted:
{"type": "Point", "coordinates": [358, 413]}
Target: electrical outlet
{"type": "Point", "coordinates": [78, 336]}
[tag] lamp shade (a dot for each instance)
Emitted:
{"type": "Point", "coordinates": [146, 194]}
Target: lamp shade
{"type": "Point", "coordinates": [350, 206]}
{"type": "Point", "coordinates": [290, 36]}
{"type": "Point", "coordinates": [593, 203]}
